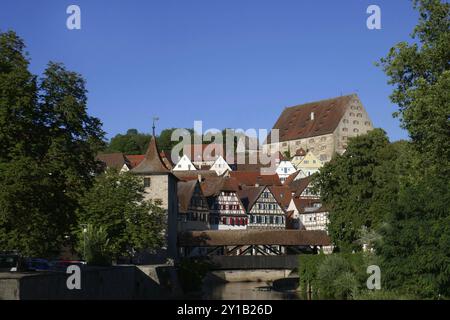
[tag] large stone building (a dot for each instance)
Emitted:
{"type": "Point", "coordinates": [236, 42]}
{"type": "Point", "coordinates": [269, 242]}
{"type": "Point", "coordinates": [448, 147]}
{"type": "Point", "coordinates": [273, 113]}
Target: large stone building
{"type": "Point", "coordinates": [160, 186]}
{"type": "Point", "coordinates": [321, 127]}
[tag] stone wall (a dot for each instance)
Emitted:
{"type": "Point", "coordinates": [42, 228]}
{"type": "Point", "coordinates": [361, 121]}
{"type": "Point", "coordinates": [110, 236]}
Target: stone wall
{"type": "Point", "coordinates": [117, 282]}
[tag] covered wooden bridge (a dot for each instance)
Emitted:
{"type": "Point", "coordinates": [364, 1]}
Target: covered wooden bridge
{"type": "Point", "coordinates": [250, 242]}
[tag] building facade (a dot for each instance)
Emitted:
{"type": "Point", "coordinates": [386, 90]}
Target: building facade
{"type": "Point", "coordinates": [321, 127]}
{"type": "Point", "coordinates": [193, 207]}
{"type": "Point", "coordinates": [160, 185]}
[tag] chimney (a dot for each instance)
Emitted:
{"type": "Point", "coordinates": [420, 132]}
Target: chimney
{"type": "Point", "coordinates": [258, 180]}
{"type": "Point", "coordinates": [312, 115]}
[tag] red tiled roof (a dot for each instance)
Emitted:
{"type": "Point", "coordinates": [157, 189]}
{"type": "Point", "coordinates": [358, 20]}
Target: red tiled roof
{"type": "Point", "coordinates": [295, 122]}
{"type": "Point", "coordinates": [282, 194]}
{"type": "Point", "coordinates": [135, 159]}
{"type": "Point", "coordinates": [291, 178]}
{"type": "Point", "coordinates": [248, 178]}
{"type": "Point", "coordinates": [249, 195]}
{"type": "Point", "coordinates": [113, 160]}
{"type": "Point", "coordinates": [298, 186]}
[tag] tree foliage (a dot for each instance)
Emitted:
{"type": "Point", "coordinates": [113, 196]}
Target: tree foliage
{"type": "Point", "coordinates": [48, 151]}
{"type": "Point", "coordinates": [400, 192]}
{"type": "Point", "coordinates": [416, 238]}
{"type": "Point", "coordinates": [355, 187]}
{"type": "Point", "coordinates": [116, 203]}
{"type": "Point", "coordinates": [133, 142]}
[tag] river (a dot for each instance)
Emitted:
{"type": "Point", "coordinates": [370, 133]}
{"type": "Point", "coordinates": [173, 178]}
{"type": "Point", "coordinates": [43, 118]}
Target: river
{"type": "Point", "coordinates": [244, 291]}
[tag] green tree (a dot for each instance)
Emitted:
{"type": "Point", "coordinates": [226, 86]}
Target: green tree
{"type": "Point", "coordinates": [48, 147]}
{"type": "Point", "coordinates": [415, 246]}
{"type": "Point", "coordinates": [132, 142]}
{"type": "Point", "coordinates": [116, 203]}
{"type": "Point", "coordinates": [356, 186]}
{"type": "Point", "coordinates": [420, 74]}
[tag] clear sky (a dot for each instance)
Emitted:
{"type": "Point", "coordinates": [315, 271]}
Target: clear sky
{"type": "Point", "coordinates": [230, 63]}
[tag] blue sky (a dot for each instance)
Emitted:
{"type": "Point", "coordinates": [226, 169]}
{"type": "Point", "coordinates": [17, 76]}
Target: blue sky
{"type": "Point", "coordinates": [230, 63]}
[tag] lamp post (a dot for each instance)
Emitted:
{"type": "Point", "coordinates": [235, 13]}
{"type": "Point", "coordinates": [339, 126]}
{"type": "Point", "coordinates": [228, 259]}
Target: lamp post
{"type": "Point", "coordinates": [84, 240]}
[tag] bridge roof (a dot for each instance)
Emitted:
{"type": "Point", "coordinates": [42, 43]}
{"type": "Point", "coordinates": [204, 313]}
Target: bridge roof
{"type": "Point", "coordinates": [212, 238]}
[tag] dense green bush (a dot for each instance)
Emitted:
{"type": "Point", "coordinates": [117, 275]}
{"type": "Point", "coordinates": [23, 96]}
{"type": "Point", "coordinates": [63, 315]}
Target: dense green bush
{"type": "Point", "coordinates": [335, 276]}
{"type": "Point", "coordinates": [94, 244]}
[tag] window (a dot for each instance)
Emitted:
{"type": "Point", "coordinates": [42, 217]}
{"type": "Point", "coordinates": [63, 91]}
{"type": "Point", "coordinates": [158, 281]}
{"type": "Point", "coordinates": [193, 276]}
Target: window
{"type": "Point", "coordinates": [355, 130]}
{"type": "Point", "coordinates": [323, 157]}
{"type": "Point", "coordinates": [323, 139]}
{"type": "Point", "coordinates": [284, 144]}
{"type": "Point", "coordinates": [147, 182]}
{"type": "Point", "coordinates": [344, 138]}
{"type": "Point", "coordinates": [359, 115]}
{"type": "Point", "coordinates": [345, 121]}
{"type": "Point", "coordinates": [298, 142]}
{"type": "Point", "coordinates": [356, 122]}
{"type": "Point", "coordinates": [367, 123]}
{"type": "Point", "coordinates": [311, 140]}
{"type": "Point", "coordinates": [344, 129]}
{"type": "Point", "coordinates": [352, 114]}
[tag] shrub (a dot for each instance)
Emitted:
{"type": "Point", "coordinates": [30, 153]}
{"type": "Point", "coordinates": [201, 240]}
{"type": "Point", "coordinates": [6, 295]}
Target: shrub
{"type": "Point", "coordinates": [94, 244]}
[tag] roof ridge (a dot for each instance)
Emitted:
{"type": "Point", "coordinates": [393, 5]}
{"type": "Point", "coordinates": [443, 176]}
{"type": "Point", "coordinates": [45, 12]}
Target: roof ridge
{"type": "Point", "coordinates": [320, 101]}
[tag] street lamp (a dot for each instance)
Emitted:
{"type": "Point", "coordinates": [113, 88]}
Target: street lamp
{"type": "Point", "coordinates": [84, 240]}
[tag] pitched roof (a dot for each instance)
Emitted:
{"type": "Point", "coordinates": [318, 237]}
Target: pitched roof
{"type": "Point", "coordinates": [135, 159]}
{"type": "Point", "coordinates": [298, 186]}
{"type": "Point", "coordinates": [249, 195]}
{"type": "Point", "coordinates": [301, 204]}
{"type": "Point", "coordinates": [194, 175]}
{"type": "Point", "coordinates": [152, 162]}
{"type": "Point", "coordinates": [249, 178]}
{"type": "Point", "coordinates": [166, 159]}
{"type": "Point", "coordinates": [212, 186]}
{"type": "Point", "coordinates": [282, 194]}
{"type": "Point", "coordinates": [113, 160]}
{"type": "Point", "coordinates": [254, 237]}
{"type": "Point", "coordinates": [295, 122]}
{"type": "Point", "coordinates": [185, 191]}
{"type": "Point", "coordinates": [291, 178]}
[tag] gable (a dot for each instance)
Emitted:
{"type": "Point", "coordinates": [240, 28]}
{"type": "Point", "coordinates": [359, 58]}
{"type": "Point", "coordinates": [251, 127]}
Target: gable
{"type": "Point", "coordinates": [295, 122]}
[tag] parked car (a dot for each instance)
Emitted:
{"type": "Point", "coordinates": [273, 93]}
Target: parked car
{"type": "Point", "coordinates": [36, 264]}
{"type": "Point", "coordinates": [11, 262]}
{"type": "Point", "coordinates": [62, 265]}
